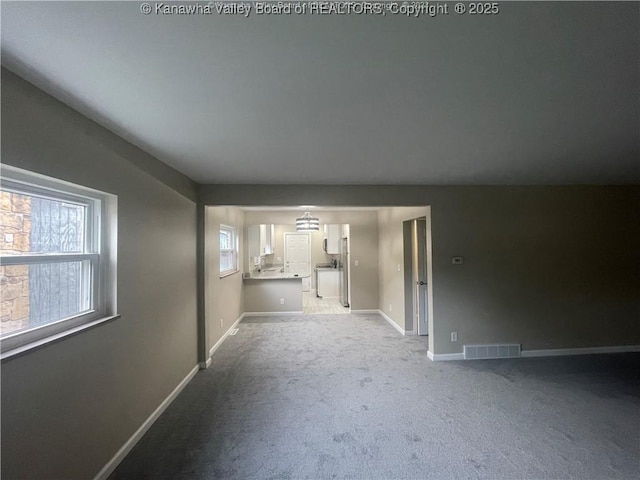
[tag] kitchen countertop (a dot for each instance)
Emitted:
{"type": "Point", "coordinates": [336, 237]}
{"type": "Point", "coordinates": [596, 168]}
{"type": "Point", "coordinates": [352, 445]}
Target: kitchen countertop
{"type": "Point", "coordinates": [324, 266]}
{"type": "Point", "coordinates": [271, 275]}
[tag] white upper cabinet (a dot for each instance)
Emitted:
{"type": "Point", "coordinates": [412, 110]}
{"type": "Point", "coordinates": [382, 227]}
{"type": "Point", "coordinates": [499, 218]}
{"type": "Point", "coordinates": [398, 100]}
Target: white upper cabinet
{"type": "Point", "coordinates": [267, 239]}
{"type": "Point", "coordinates": [262, 240]}
{"type": "Point", "coordinates": [332, 236]}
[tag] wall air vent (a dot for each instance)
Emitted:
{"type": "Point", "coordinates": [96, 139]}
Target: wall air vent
{"type": "Point", "coordinates": [477, 352]}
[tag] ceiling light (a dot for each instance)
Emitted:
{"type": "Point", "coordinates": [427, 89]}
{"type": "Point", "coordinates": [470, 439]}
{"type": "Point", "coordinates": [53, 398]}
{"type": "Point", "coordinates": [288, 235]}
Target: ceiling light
{"type": "Point", "coordinates": [307, 223]}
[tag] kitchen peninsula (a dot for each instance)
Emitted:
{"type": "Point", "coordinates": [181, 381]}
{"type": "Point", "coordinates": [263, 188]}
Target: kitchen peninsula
{"type": "Point", "coordinates": [272, 290]}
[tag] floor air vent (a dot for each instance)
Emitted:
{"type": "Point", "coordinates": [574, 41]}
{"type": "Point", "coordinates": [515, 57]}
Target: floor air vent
{"type": "Point", "coordinates": [476, 352]}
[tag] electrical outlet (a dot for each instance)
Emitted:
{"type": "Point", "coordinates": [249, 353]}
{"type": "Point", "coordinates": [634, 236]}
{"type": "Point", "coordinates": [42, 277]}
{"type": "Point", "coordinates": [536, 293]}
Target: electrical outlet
{"type": "Point", "coordinates": [454, 336]}
{"type": "Point", "coordinates": [390, 307]}
{"type": "Point", "coordinates": [356, 263]}
{"type": "Point", "coordinates": [221, 323]}
{"type": "Point", "coordinates": [282, 301]}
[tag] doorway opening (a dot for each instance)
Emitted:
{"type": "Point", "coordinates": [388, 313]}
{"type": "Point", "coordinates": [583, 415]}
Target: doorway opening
{"type": "Point", "coordinates": [330, 277]}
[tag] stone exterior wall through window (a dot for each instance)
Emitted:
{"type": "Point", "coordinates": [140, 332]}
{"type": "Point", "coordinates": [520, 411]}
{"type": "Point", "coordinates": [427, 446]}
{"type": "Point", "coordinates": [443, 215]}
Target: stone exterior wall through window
{"type": "Point", "coordinates": [15, 230]}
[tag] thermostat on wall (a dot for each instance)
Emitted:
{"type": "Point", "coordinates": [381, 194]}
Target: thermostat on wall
{"type": "Point", "coordinates": [457, 260]}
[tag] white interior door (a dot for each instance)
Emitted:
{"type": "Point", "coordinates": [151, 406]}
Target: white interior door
{"type": "Point", "coordinates": [297, 256]}
{"type": "Point", "coordinates": [421, 326]}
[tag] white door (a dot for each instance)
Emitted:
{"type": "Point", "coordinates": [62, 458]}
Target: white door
{"type": "Point", "coordinates": [420, 276]}
{"type": "Point", "coordinates": [297, 256]}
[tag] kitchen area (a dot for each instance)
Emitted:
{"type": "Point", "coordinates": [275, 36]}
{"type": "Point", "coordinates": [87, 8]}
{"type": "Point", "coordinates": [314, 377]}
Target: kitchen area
{"type": "Point", "coordinates": [297, 268]}
{"type": "Point", "coordinates": [259, 263]}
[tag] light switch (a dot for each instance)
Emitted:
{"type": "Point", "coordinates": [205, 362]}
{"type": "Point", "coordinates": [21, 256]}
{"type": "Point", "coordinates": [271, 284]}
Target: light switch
{"type": "Point", "coordinates": [399, 269]}
{"type": "Point", "coordinates": [356, 263]}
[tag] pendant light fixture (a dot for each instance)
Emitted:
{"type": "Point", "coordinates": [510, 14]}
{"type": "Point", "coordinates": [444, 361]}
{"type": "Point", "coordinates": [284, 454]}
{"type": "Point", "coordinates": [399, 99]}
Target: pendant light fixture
{"type": "Point", "coordinates": [307, 223]}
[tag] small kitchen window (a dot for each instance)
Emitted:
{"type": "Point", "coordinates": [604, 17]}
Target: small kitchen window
{"type": "Point", "coordinates": [228, 250]}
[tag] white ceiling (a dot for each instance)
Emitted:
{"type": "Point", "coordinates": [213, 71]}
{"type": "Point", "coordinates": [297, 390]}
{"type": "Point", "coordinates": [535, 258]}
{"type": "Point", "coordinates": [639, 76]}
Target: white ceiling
{"type": "Point", "coordinates": [542, 93]}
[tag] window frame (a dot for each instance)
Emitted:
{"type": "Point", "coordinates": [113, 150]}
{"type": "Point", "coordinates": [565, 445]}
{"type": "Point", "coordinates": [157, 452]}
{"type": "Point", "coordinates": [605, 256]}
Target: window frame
{"type": "Point", "coordinates": [234, 251]}
{"type": "Point", "coordinates": [98, 250]}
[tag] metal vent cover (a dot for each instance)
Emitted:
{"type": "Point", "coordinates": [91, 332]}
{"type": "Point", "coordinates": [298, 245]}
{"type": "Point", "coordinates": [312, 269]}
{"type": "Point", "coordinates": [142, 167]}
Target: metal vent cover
{"type": "Point", "coordinates": [477, 352]}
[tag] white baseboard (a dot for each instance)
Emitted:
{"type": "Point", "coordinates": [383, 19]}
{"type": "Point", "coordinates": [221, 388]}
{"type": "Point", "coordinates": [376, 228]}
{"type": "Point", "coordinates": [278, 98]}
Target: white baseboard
{"type": "Point", "coordinates": [392, 323]}
{"type": "Point", "coordinates": [556, 352]}
{"type": "Point", "coordinates": [271, 314]}
{"type": "Point", "coordinates": [444, 357]}
{"type": "Point", "coordinates": [223, 338]}
{"type": "Point", "coordinates": [383, 315]}
{"type": "Point", "coordinates": [579, 351]}
{"type": "Point", "coordinates": [129, 444]}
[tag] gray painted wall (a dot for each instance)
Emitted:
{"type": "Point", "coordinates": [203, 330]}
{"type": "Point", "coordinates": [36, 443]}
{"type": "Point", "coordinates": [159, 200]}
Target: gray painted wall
{"type": "Point", "coordinates": [391, 254]}
{"type": "Point", "coordinates": [223, 296]}
{"type": "Point", "coordinates": [67, 408]}
{"type": "Point", "coordinates": [265, 295]}
{"type": "Point", "coordinates": [547, 267]}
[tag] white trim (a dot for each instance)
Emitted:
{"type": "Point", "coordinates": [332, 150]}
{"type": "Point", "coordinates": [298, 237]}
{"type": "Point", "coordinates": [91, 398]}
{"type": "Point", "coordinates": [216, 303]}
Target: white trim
{"type": "Point", "coordinates": [579, 351]}
{"type": "Point", "coordinates": [383, 315]}
{"type": "Point", "coordinates": [445, 357]}
{"type": "Point", "coordinates": [223, 338]}
{"type": "Point", "coordinates": [14, 352]}
{"type": "Point", "coordinates": [391, 322]}
{"type": "Point", "coordinates": [129, 444]}
{"type": "Point", "coordinates": [48, 258]}
{"type": "Point", "coordinates": [272, 314]}
{"type": "Point", "coordinates": [235, 250]}
{"type": "Point", "coordinates": [546, 353]}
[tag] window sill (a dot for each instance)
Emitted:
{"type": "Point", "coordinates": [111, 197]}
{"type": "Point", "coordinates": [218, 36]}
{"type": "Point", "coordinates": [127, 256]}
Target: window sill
{"type": "Point", "coordinates": [28, 348]}
{"type": "Point", "coordinates": [228, 274]}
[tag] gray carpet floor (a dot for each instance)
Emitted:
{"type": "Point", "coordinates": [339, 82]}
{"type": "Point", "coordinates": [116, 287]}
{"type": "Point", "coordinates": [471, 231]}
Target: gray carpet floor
{"type": "Point", "coordinates": [346, 396]}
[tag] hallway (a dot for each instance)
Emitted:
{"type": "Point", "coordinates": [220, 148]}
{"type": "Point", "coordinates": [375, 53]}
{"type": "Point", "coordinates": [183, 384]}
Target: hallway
{"type": "Point", "coordinates": [345, 396]}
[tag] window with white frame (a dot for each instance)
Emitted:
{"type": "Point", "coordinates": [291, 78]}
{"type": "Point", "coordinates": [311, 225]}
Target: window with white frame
{"type": "Point", "coordinates": [57, 260]}
{"type": "Point", "coordinates": [228, 250]}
